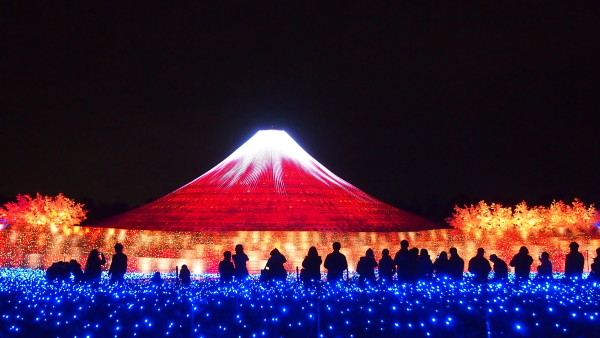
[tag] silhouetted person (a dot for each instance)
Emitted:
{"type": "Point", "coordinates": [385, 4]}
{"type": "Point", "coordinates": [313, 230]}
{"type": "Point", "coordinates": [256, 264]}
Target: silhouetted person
{"type": "Point", "coordinates": [480, 267]}
{"type": "Point", "coordinates": [58, 271]}
{"type": "Point", "coordinates": [335, 263]}
{"type": "Point", "coordinates": [226, 268]}
{"type": "Point", "coordinates": [500, 268]}
{"type": "Point", "coordinates": [239, 260]}
{"type": "Point", "coordinates": [424, 266]}
{"type": "Point", "coordinates": [456, 265]}
{"type": "Point", "coordinates": [118, 266]}
{"type": "Point", "coordinates": [441, 266]}
{"type": "Point", "coordinates": [366, 267]}
{"type": "Point", "coordinates": [185, 275]}
{"type": "Point", "coordinates": [574, 262]}
{"type": "Point", "coordinates": [76, 272]}
{"type": "Point", "coordinates": [387, 267]}
{"type": "Point", "coordinates": [522, 263]}
{"type": "Point", "coordinates": [413, 255]}
{"type": "Point", "coordinates": [595, 273]}
{"type": "Point", "coordinates": [275, 265]}
{"type": "Point", "coordinates": [156, 279]}
{"type": "Point", "coordinates": [544, 269]}
{"type": "Point", "coordinates": [93, 266]}
{"type": "Point", "coordinates": [311, 265]}
{"type": "Point", "coordinates": [402, 260]}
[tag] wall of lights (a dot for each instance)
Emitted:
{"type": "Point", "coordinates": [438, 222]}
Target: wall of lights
{"type": "Point", "coordinates": [164, 250]}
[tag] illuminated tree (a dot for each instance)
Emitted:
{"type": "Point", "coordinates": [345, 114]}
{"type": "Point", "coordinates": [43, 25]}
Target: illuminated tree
{"type": "Point", "coordinates": [43, 211]}
{"type": "Point", "coordinates": [483, 217]}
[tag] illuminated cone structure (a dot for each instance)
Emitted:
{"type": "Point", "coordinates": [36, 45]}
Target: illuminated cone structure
{"type": "Point", "coordinates": [269, 184]}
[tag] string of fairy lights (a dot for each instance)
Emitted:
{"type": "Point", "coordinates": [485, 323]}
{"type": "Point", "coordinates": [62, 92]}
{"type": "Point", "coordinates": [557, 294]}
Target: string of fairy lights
{"type": "Point", "coordinates": [150, 251]}
{"type": "Point", "coordinates": [32, 306]}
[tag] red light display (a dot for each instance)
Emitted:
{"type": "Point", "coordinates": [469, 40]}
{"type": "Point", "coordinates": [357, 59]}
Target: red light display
{"type": "Point", "coordinates": [269, 184]}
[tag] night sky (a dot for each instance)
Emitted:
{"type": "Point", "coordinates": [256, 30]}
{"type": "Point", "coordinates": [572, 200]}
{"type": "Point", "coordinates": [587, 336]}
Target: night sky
{"type": "Point", "coordinates": [421, 106]}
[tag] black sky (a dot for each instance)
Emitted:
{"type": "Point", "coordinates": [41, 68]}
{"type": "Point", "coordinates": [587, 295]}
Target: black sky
{"type": "Point", "coordinates": [421, 106]}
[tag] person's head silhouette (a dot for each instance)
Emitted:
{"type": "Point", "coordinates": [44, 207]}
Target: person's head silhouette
{"type": "Point", "coordinates": [239, 249]}
{"type": "Point", "coordinates": [119, 248]}
{"type": "Point", "coordinates": [337, 246]}
{"type": "Point", "coordinates": [574, 246]}
{"type": "Point", "coordinates": [443, 256]}
{"type": "Point", "coordinates": [404, 244]}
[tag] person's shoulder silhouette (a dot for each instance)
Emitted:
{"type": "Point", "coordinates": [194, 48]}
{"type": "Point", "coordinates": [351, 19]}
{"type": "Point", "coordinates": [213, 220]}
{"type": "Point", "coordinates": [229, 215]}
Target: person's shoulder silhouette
{"type": "Point", "coordinates": [456, 265]}
{"type": "Point", "coordinates": [226, 268]}
{"type": "Point", "coordinates": [366, 266]}
{"type": "Point", "coordinates": [156, 279]}
{"type": "Point", "coordinates": [185, 275]}
{"type": "Point", "coordinates": [403, 262]}
{"type": "Point", "coordinates": [118, 266]}
{"type": "Point", "coordinates": [574, 262]}
{"type": "Point", "coordinates": [522, 263]}
{"type": "Point", "coordinates": [335, 263]}
{"type": "Point", "coordinates": [275, 264]}
{"type": "Point", "coordinates": [545, 268]}
{"type": "Point", "coordinates": [239, 260]}
{"type": "Point", "coordinates": [93, 266]}
{"type": "Point", "coordinates": [479, 266]}
{"type": "Point", "coordinates": [311, 266]}
{"type": "Point", "coordinates": [500, 268]}
{"type": "Point", "coordinates": [387, 267]}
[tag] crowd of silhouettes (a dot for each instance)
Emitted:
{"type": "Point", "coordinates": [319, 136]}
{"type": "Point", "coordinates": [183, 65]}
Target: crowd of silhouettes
{"type": "Point", "coordinates": [408, 265]}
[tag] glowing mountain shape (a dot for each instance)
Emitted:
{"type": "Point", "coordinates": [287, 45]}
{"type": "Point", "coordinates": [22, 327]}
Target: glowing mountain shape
{"type": "Point", "coordinates": [269, 183]}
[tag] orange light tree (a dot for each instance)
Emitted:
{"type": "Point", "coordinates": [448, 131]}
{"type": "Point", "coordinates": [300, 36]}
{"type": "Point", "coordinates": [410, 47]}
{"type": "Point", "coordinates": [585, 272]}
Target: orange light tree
{"type": "Point", "coordinates": [485, 219]}
{"type": "Point", "coordinates": [43, 212]}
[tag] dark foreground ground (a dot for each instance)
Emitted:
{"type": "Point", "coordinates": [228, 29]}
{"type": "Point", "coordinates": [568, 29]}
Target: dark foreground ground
{"type": "Point", "coordinates": [32, 307]}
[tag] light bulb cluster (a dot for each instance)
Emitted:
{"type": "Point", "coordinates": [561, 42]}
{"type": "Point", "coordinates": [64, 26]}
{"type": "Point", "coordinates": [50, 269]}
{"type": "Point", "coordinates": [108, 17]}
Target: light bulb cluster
{"type": "Point", "coordinates": [32, 306]}
{"type": "Point", "coordinates": [162, 251]}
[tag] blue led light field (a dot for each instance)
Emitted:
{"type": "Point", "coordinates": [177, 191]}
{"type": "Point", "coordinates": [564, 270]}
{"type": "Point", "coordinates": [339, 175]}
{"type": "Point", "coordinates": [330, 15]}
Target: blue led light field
{"type": "Point", "coordinates": [30, 306]}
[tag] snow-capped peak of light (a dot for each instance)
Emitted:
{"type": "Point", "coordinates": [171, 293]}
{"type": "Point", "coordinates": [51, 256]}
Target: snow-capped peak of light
{"type": "Point", "coordinates": [267, 149]}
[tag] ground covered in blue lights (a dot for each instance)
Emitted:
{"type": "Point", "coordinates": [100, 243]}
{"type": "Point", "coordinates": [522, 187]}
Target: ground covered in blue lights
{"type": "Point", "coordinates": [31, 306]}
